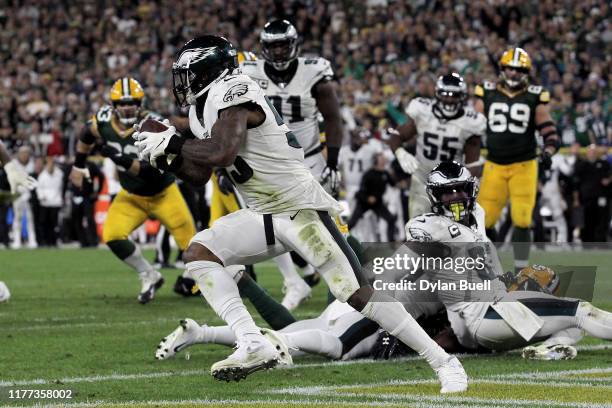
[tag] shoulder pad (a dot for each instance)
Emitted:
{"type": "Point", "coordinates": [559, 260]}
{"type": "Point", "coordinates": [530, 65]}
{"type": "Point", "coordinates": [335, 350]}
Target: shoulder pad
{"type": "Point", "coordinates": [104, 114]}
{"type": "Point", "coordinates": [233, 90]}
{"type": "Point", "coordinates": [426, 228]}
{"type": "Point", "coordinates": [488, 85]}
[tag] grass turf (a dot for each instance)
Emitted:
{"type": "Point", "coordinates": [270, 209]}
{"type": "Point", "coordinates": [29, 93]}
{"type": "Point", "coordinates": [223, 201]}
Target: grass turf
{"type": "Point", "coordinates": [74, 323]}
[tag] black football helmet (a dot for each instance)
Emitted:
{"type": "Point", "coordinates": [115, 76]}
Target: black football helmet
{"type": "Point", "coordinates": [451, 95]}
{"type": "Point", "coordinates": [452, 191]}
{"type": "Point", "coordinates": [279, 44]}
{"type": "Point", "coordinates": [198, 64]}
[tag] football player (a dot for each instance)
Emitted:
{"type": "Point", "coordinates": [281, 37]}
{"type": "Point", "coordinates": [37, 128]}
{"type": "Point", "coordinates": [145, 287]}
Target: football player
{"type": "Point", "coordinates": [145, 191]}
{"type": "Point", "coordinates": [443, 128]}
{"type": "Point", "coordinates": [237, 127]}
{"type": "Point", "coordinates": [300, 89]}
{"type": "Point", "coordinates": [495, 319]}
{"type": "Point", "coordinates": [17, 178]}
{"type": "Point", "coordinates": [515, 110]}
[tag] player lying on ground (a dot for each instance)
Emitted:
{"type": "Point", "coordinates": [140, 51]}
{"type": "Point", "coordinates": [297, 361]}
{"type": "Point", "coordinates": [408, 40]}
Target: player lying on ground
{"type": "Point", "coordinates": [237, 127]}
{"type": "Point", "coordinates": [145, 191]}
{"type": "Point", "coordinates": [497, 319]}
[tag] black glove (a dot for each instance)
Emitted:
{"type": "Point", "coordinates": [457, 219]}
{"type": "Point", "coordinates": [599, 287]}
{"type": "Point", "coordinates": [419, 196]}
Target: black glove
{"type": "Point", "coordinates": [545, 160]}
{"type": "Point", "coordinates": [225, 184]}
{"type": "Point", "coordinates": [116, 156]}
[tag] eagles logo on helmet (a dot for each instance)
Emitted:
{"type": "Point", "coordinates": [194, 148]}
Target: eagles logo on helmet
{"type": "Point", "coordinates": [279, 44]}
{"type": "Point", "coordinates": [199, 63]}
{"type": "Point", "coordinates": [451, 95]}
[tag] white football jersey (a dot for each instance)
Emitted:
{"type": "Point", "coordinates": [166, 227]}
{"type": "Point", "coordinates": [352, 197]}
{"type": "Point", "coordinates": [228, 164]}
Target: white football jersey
{"type": "Point", "coordinates": [269, 170]}
{"type": "Point", "coordinates": [353, 164]}
{"type": "Point", "coordinates": [294, 100]}
{"type": "Point", "coordinates": [440, 140]}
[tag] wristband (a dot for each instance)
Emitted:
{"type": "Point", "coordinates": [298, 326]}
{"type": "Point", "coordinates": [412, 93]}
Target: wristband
{"type": "Point", "coordinates": [175, 145]}
{"type": "Point", "coordinates": [332, 156]}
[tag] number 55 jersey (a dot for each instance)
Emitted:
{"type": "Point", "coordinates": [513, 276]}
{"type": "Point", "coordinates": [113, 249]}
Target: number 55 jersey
{"type": "Point", "coordinates": [438, 140]}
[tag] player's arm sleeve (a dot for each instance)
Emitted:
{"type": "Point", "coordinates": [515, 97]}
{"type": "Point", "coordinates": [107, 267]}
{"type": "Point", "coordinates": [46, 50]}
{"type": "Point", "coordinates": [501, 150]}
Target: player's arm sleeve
{"type": "Point", "coordinates": [325, 74]}
{"type": "Point", "coordinates": [544, 97]}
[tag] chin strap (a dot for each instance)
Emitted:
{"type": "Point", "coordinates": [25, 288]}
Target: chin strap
{"type": "Point", "coordinates": [191, 98]}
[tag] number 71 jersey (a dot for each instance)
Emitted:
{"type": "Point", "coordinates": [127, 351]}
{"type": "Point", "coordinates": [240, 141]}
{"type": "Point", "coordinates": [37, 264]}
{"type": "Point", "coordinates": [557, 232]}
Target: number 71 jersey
{"type": "Point", "coordinates": [441, 140]}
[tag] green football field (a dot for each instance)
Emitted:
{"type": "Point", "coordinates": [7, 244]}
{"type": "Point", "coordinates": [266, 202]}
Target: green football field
{"type": "Point", "coordinates": [73, 323]}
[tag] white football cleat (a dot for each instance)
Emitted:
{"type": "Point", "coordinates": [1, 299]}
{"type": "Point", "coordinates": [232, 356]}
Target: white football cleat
{"type": "Point", "coordinates": [554, 352]}
{"type": "Point", "coordinates": [5, 294]}
{"type": "Point", "coordinates": [278, 340]}
{"type": "Point", "coordinates": [452, 376]}
{"type": "Point", "coordinates": [247, 358]}
{"type": "Point", "coordinates": [151, 281]}
{"type": "Point", "coordinates": [182, 337]}
{"type": "Point", "coordinates": [295, 293]}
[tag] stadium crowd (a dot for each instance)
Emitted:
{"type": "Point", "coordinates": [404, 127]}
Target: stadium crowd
{"type": "Point", "coordinates": [59, 62]}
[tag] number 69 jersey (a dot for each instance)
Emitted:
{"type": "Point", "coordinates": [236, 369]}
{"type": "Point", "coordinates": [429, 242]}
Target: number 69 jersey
{"type": "Point", "coordinates": [269, 170]}
{"type": "Point", "coordinates": [511, 121]}
{"type": "Point", "coordinates": [441, 140]}
{"type": "Point", "coordinates": [294, 100]}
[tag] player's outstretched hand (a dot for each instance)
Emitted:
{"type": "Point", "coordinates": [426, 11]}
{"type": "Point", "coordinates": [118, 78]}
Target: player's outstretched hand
{"type": "Point", "coordinates": [17, 177]}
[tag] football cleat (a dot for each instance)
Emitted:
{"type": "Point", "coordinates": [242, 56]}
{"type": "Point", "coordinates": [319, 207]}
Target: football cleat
{"type": "Point", "coordinates": [247, 358]}
{"type": "Point", "coordinates": [182, 337]}
{"type": "Point", "coordinates": [555, 352]}
{"type": "Point", "coordinates": [5, 294]}
{"type": "Point", "coordinates": [278, 340]}
{"type": "Point", "coordinates": [295, 293]}
{"type": "Point", "coordinates": [151, 281]}
{"type": "Point", "coordinates": [452, 376]}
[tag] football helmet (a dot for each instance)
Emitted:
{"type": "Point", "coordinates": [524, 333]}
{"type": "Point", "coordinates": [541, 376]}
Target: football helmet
{"type": "Point", "coordinates": [537, 278]}
{"type": "Point", "coordinates": [514, 67]}
{"type": "Point", "coordinates": [451, 95]}
{"type": "Point", "coordinates": [452, 190]}
{"type": "Point", "coordinates": [200, 62]}
{"type": "Point", "coordinates": [127, 95]}
{"type": "Point", "coordinates": [279, 44]}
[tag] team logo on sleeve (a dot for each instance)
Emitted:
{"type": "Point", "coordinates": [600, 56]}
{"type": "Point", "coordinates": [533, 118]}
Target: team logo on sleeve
{"type": "Point", "coordinates": [235, 91]}
{"type": "Point", "coordinates": [419, 234]}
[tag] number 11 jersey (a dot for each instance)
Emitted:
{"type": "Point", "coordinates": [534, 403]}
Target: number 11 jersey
{"type": "Point", "coordinates": [438, 139]}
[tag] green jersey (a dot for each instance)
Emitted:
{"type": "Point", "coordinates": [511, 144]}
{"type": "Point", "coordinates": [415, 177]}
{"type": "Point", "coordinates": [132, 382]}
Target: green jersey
{"type": "Point", "coordinates": [511, 127]}
{"type": "Point", "coordinates": [104, 125]}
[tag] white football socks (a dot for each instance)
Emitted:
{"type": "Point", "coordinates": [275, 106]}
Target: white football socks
{"type": "Point", "coordinates": [392, 317]}
{"type": "Point", "coordinates": [221, 292]}
{"type": "Point", "coordinates": [138, 262]}
{"type": "Point", "coordinates": [217, 335]}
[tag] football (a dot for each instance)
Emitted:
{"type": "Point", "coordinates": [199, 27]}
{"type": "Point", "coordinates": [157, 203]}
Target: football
{"type": "Point", "coordinates": [153, 126]}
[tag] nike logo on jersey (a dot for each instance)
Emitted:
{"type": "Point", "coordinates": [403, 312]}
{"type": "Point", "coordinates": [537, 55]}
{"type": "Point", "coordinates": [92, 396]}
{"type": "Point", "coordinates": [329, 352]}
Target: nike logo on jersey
{"type": "Point", "coordinates": [292, 217]}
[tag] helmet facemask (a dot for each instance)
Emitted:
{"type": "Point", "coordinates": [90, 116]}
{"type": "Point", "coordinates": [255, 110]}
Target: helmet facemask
{"type": "Point", "coordinates": [454, 200]}
{"type": "Point", "coordinates": [514, 77]}
{"type": "Point", "coordinates": [280, 53]}
{"type": "Point", "coordinates": [451, 95]}
{"type": "Point", "coordinates": [128, 111]}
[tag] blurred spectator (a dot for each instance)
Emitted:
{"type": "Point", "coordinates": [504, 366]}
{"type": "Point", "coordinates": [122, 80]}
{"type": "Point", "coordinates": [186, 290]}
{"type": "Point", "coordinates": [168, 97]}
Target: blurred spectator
{"type": "Point", "coordinates": [370, 196]}
{"type": "Point", "coordinates": [83, 202]}
{"type": "Point", "coordinates": [22, 210]}
{"type": "Point", "coordinates": [49, 191]}
{"type": "Point", "coordinates": [592, 179]}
